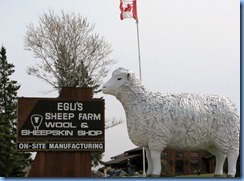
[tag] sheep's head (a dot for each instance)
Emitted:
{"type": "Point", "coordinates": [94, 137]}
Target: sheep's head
{"type": "Point", "coordinates": [120, 77]}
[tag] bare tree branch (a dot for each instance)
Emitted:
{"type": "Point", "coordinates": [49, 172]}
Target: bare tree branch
{"type": "Point", "coordinates": [111, 123]}
{"type": "Point", "coordinates": [70, 54]}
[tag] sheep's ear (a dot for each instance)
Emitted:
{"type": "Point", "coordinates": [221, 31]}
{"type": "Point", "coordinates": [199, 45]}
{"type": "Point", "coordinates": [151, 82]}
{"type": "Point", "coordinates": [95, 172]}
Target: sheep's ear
{"type": "Point", "coordinates": [130, 75]}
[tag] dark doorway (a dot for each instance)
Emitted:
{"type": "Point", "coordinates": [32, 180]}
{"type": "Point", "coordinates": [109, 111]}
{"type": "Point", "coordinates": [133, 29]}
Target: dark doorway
{"type": "Point", "coordinates": [179, 166]}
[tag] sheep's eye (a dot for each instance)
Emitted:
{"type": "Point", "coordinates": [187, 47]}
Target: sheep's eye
{"type": "Point", "coordinates": [119, 78]}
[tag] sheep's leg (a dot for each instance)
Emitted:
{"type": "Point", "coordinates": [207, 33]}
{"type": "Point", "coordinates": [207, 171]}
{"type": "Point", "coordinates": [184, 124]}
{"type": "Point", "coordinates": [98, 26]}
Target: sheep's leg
{"type": "Point", "coordinates": [232, 157]}
{"type": "Point", "coordinates": [149, 162]}
{"type": "Point", "coordinates": [220, 159]}
{"type": "Point", "coordinates": [156, 162]}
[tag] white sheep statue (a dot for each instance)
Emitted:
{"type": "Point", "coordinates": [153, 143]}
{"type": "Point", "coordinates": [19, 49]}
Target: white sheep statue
{"type": "Point", "coordinates": [180, 121]}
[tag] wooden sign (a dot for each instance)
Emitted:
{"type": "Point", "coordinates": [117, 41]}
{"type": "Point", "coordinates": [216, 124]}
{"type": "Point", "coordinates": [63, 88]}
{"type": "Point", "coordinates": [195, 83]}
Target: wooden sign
{"type": "Point", "coordinates": [61, 155]}
{"type": "Point", "coordinates": [59, 124]}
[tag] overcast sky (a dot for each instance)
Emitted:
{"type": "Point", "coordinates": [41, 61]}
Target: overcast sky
{"type": "Point", "coordinates": [186, 46]}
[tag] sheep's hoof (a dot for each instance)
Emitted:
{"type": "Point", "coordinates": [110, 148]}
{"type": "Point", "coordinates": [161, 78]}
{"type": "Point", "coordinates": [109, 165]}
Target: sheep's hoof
{"type": "Point", "coordinates": [149, 175]}
{"type": "Point", "coordinates": [230, 176]}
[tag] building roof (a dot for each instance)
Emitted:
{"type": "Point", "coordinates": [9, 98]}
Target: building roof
{"type": "Point", "coordinates": [121, 159]}
{"type": "Point", "coordinates": [133, 151]}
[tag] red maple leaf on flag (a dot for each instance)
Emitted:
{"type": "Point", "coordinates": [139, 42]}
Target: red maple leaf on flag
{"type": "Point", "coordinates": [128, 9]}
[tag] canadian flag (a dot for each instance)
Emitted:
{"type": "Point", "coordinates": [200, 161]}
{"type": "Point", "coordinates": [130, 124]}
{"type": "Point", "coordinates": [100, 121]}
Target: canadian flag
{"type": "Point", "coordinates": [128, 9]}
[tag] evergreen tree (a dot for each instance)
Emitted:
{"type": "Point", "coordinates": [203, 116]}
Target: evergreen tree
{"type": "Point", "coordinates": [12, 162]}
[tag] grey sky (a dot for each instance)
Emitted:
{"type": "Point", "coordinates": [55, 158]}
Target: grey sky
{"type": "Point", "coordinates": [186, 46]}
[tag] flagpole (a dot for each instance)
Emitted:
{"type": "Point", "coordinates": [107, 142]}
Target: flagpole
{"type": "Point", "coordinates": [139, 58]}
{"type": "Point", "coordinates": [135, 16]}
{"type": "Point", "coordinates": [139, 52]}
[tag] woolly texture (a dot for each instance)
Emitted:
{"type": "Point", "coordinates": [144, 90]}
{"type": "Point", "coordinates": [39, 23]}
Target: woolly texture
{"type": "Point", "coordinates": [177, 121]}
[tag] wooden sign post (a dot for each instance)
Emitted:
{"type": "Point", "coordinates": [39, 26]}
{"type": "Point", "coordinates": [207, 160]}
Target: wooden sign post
{"type": "Point", "coordinates": [63, 131]}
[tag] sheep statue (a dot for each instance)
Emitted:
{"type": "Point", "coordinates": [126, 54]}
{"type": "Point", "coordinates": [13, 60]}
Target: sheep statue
{"type": "Point", "coordinates": [183, 121]}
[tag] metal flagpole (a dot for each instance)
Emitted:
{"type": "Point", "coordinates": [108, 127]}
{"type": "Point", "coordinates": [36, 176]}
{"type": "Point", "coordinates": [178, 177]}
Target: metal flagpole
{"type": "Point", "coordinates": [135, 16]}
{"type": "Point", "coordinates": [139, 52]}
{"type": "Point", "coordinates": [139, 57]}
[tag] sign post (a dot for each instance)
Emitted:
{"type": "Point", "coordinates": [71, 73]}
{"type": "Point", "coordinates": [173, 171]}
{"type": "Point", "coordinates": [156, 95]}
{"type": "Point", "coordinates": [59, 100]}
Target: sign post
{"type": "Point", "coordinates": [63, 131]}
